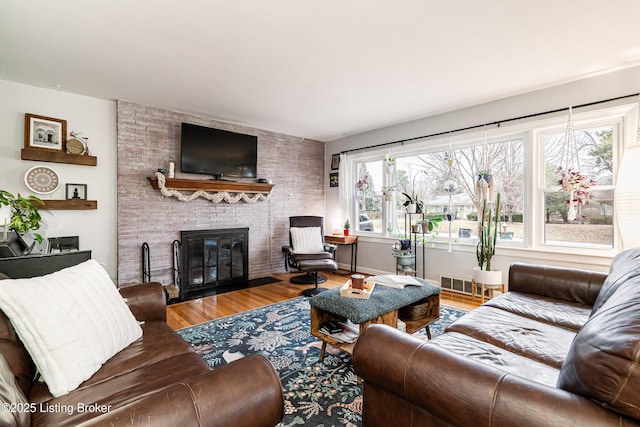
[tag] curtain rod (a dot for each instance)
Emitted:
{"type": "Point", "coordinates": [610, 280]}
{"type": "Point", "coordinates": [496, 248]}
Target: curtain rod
{"type": "Point", "coordinates": [498, 123]}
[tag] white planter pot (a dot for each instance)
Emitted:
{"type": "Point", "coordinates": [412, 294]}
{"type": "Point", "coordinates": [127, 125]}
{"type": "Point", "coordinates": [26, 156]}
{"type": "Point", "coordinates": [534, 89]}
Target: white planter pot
{"type": "Point", "coordinates": [406, 261]}
{"type": "Point", "coordinates": [411, 208]}
{"type": "Point", "coordinates": [492, 277]}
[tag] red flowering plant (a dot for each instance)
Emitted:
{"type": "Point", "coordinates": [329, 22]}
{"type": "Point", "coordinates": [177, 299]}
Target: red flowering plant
{"type": "Point", "coordinates": [362, 185]}
{"type": "Point", "coordinates": [578, 186]}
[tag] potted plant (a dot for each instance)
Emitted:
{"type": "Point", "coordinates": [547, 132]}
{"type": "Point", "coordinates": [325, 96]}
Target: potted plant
{"type": "Point", "coordinates": [413, 204]}
{"type": "Point", "coordinates": [579, 188]}
{"type": "Point", "coordinates": [24, 218]}
{"type": "Point", "coordinates": [24, 214]}
{"type": "Point", "coordinates": [404, 257]}
{"type": "Point", "coordinates": [428, 224]}
{"type": "Point", "coordinates": [347, 226]}
{"type": "Point", "coordinates": [486, 247]}
{"type": "Point", "coordinates": [389, 162]}
{"type": "Point", "coordinates": [484, 177]}
{"type": "Point", "coordinates": [387, 192]}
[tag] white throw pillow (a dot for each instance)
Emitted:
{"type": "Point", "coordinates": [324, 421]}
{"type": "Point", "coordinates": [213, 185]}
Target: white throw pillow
{"type": "Point", "coordinates": [70, 321]}
{"type": "Point", "coordinates": [306, 240]}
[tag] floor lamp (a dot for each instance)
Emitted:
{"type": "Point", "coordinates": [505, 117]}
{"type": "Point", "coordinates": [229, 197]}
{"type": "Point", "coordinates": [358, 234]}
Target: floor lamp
{"type": "Point", "coordinates": [627, 197]}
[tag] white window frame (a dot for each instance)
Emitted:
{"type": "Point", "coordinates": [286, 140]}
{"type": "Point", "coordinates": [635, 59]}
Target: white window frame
{"type": "Point", "coordinates": [622, 114]}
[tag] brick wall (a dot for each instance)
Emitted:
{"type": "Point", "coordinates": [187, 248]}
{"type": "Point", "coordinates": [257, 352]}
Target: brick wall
{"type": "Point", "coordinates": [148, 138]}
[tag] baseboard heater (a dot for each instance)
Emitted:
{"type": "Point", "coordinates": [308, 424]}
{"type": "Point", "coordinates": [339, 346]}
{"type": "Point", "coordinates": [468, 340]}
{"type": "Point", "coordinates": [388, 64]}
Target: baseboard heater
{"type": "Point", "coordinates": [459, 285]}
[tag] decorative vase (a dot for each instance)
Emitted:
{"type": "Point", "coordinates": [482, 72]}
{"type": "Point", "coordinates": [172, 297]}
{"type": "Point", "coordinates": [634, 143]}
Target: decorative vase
{"type": "Point", "coordinates": [406, 261]}
{"type": "Point", "coordinates": [488, 277]}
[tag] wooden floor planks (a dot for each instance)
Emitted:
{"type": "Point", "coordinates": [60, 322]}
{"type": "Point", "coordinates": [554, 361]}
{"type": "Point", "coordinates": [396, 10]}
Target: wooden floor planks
{"type": "Point", "coordinates": [201, 310]}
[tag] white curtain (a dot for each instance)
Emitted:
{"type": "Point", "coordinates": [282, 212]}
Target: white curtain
{"type": "Point", "coordinates": [345, 183]}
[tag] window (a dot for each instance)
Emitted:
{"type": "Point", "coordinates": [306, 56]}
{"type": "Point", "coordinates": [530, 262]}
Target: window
{"type": "Point", "coordinates": [591, 224]}
{"type": "Point", "coordinates": [444, 176]}
{"type": "Point", "coordinates": [368, 196]}
{"type": "Point", "coordinates": [455, 194]}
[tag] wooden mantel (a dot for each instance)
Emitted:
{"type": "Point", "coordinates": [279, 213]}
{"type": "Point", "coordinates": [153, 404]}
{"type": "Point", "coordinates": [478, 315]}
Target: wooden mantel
{"type": "Point", "coordinates": [182, 184]}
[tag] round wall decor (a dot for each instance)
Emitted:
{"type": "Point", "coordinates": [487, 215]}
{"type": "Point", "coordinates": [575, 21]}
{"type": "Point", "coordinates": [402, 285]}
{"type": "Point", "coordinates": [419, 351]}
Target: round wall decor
{"type": "Point", "coordinates": [42, 180]}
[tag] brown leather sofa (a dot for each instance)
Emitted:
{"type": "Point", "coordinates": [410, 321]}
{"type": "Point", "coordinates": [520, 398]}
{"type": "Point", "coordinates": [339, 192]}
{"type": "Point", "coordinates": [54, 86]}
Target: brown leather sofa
{"type": "Point", "coordinates": [156, 381]}
{"type": "Point", "coordinates": [561, 348]}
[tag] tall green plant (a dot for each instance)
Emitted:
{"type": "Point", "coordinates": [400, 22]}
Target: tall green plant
{"type": "Point", "coordinates": [486, 248]}
{"type": "Point", "coordinates": [24, 214]}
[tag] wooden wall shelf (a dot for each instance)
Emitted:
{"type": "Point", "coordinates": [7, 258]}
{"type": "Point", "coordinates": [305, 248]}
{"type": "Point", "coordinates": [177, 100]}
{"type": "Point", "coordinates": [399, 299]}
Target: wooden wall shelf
{"type": "Point", "coordinates": [183, 184]}
{"type": "Point", "coordinates": [70, 204]}
{"type": "Point", "coordinates": [57, 157]}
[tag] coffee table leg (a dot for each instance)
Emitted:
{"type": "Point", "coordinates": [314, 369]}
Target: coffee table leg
{"type": "Point", "coordinates": [428, 331]}
{"type": "Point", "coordinates": [324, 347]}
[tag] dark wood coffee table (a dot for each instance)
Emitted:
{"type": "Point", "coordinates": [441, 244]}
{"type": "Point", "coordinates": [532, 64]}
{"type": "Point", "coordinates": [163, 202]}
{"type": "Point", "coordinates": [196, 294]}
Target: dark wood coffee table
{"type": "Point", "coordinates": [381, 308]}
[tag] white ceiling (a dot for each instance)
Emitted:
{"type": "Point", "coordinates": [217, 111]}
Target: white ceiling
{"type": "Point", "coordinates": [311, 68]}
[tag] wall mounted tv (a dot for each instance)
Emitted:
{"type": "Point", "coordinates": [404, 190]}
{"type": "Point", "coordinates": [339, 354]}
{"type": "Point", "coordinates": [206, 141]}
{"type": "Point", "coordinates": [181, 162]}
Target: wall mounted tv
{"type": "Point", "coordinates": [218, 152]}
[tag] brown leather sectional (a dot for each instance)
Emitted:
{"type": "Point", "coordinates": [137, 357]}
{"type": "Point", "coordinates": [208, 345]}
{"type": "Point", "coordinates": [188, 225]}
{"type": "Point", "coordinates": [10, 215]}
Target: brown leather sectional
{"type": "Point", "coordinates": [561, 348]}
{"type": "Point", "coordinates": [157, 381]}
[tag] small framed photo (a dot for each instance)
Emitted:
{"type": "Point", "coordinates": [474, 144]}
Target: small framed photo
{"type": "Point", "coordinates": [44, 133]}
{"type": "Point", "coordinates": [335, 162]}
{"type": "Point", "coordinates": [334, 179]}
{"type": "Point", "coordinates": [76, 192]}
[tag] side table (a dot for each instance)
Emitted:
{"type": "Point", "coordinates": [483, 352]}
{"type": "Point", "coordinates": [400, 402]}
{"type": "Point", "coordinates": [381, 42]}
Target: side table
{"type": "Point", "coordinates": [340, 239]}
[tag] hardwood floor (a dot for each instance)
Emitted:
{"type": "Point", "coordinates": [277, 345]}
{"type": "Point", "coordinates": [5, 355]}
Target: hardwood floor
{"type": "Point", "coordinates": [192, 312]}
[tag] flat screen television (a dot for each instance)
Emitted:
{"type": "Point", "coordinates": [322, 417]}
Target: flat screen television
{"type": "Point", "coordinates": [219, 153]}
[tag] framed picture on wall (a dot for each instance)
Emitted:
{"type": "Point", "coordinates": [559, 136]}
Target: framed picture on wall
{"type": "Point", "coordinates": [335, 161]}
{"type": "Point", "coordinates": [76, 191]}
{"type": "Point", "coordinates": [333, 179]}
{"type": "Point", "coordinates": [44, 133]}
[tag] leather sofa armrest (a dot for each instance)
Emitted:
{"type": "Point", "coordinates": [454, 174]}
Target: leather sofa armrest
{"type": "Point", "coordinates": [403, 375]}
{"type": "Point", "coordinates": [246, 392]}
{"type": "Point", "coordinates": [568, 284]}
{"type": "Point", "coordinates": [147, 301]}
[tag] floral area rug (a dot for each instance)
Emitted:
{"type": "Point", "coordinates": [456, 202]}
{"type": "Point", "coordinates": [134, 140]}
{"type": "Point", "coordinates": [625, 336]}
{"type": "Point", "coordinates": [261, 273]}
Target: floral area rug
{"type": "Point", "coordinates": [316, 394]}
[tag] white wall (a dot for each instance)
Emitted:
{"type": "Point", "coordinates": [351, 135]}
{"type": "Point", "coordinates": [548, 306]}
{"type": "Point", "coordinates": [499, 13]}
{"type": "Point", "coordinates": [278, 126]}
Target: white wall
{"type": "Point", "coordinates": [96, 119]}
{"type": "Point", "coordinates": [374, 253]}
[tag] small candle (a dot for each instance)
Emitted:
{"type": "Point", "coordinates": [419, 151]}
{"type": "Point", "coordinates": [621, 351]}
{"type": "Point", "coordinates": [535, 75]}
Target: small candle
{"type": "Point", "coordinates": [172, 169]}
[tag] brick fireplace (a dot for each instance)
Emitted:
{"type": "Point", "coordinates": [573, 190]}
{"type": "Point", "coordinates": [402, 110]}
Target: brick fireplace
{"type": "Point", "coordinates": [148, 138]}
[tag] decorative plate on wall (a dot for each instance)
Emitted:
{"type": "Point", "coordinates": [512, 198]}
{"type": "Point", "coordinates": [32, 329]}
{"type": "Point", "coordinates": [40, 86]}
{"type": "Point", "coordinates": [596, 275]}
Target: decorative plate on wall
{"type": "Point", "coordinates": [42, 180]}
